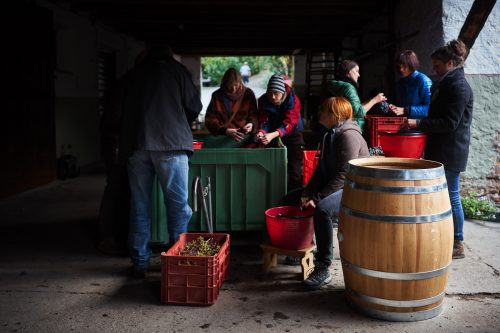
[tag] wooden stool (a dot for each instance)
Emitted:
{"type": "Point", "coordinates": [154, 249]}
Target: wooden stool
{"type": "Point", "coordinates": [270, 257]}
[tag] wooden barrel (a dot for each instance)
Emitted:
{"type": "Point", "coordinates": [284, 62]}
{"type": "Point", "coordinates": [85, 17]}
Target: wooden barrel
{"type": "Point", "coordinates": [396, 237]}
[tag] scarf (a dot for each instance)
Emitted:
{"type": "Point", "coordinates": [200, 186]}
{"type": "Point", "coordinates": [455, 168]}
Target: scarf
{"type": "Point", "coordinates": [235, 96]}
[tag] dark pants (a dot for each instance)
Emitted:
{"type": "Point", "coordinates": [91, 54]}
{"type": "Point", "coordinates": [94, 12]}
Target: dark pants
{"type": "Point", "coordinates": [295, 155]}
{"type": "Point", "coordinates": [326, 212]}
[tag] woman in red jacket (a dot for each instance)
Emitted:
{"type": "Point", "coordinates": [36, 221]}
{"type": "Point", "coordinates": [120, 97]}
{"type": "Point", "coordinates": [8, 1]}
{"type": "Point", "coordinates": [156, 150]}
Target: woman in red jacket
{"type": "Point", "coordinates": [279, 117]}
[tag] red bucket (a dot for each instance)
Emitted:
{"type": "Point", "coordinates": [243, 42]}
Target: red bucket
{"type": "Point", "coordinates": [410, 145]}
{"type": "Point", "coordinates": [289, 227]}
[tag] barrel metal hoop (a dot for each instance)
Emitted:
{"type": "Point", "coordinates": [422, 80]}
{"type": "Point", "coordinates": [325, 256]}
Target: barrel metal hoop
{"type": "Point", "coordinates": [397, 303]}
{"type": "Point", "coordinates": [396, 174]}
{"type": "Point", "coordinates": [399, 316]}
{"type": "Point", "coordinates": [397, 189]}
{"type": "Point", "coordinates": [398, 219]}
{"type": "Point", "coordinates": [395, 276]}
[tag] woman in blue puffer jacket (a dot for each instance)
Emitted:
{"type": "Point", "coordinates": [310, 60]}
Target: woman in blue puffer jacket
{"type": "Point", "coordinates": [414, 88]}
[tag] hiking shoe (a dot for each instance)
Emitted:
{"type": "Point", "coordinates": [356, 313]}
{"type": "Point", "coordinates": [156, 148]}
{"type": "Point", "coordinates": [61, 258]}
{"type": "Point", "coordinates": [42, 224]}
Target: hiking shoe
{"type": "Point", "coordinates": [292, 261]}
{"type": "Point", "coordinates": [458, 249]}
{"type": "Point", "coordinates": [318, 278]}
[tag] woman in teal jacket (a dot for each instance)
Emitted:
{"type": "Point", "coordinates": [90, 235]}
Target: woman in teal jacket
{"type": "Point", "coordinates": [347, 86]}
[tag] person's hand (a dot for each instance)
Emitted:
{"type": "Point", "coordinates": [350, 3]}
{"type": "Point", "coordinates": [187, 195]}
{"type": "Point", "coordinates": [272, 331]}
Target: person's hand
{"type": "Point", "coordinates": [380, 97]}
{"type": "Point", "coordinates": [247, 128]}
{"type": "Point", "coordinates": [235, 134]}
{"type": "Point", "coordinates": [410, 123]}
{"type": "Point", "coordinates": [268, 137]}
{"type": "Point", "coordinates": [306, 203]}
{"type": "Point", "coordinates": [398, 111]}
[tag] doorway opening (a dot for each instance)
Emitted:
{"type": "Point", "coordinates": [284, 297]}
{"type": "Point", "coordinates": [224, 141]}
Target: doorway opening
{"type": "Point", "coordinates": [255, 70]}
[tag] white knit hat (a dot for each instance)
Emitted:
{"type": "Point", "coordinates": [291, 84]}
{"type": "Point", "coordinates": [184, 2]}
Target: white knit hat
{"type": "Point", "coordinates": [276, 83]}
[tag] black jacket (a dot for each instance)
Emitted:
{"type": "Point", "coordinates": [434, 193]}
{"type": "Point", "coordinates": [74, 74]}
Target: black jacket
{"type": "Point", "coordinates": [338, 147]}
{"type": "Point", "coordinates": [449, 121]}
{"type": "Point", "coordinates": [159, 102]}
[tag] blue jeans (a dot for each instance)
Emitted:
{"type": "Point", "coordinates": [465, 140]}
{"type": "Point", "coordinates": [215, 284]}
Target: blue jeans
{"type": "Point", "coordinates": [172, 170]}
{"type": "Point", "coordinates": [327, 210]}
{"type": "Point", "coordinates": [453, 180]}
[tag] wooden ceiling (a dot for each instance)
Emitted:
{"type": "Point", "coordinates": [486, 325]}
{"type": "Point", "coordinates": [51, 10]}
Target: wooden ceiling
{"type": "Point", "coordinates": [237, 27]}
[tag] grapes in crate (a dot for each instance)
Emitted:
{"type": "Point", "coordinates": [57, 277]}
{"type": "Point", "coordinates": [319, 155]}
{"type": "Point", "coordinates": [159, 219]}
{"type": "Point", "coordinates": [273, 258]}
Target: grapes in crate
{"type": "Point", "coordinates": [200, 247]}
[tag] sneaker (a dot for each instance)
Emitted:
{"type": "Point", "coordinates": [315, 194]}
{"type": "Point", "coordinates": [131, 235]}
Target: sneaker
{"type": "Point", "coordinates": [458, 249]}
{"type": "Point", "coordinates": [318, 278]}
{"type": "Point", "coordinates": [292, 261]}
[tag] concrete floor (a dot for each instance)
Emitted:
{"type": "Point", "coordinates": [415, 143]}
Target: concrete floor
{"type": "Point", "coordinates": [52, 279]}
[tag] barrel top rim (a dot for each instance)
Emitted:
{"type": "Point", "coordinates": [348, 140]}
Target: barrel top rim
{"type": "Point", "coordinates": [373, 162]}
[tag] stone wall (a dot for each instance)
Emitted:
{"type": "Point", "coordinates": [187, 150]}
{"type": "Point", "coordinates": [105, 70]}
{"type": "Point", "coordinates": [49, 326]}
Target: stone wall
{"type": "Point", "coordinates": [483, 169]}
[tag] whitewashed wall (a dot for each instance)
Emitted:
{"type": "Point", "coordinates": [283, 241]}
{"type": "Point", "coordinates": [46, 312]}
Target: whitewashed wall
{"type": "Point", "coordinates": [484, 57]}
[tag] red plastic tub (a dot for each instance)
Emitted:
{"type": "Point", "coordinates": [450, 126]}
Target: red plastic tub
{"type": "Point", "coordinates": [409, 145]}
{"type": "Point", "coordinates": [289, 227]}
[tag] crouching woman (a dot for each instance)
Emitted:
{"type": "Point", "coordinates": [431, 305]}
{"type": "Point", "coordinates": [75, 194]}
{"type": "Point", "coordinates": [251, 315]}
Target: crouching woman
{"type": "Point", "coordinates": [341, 143]}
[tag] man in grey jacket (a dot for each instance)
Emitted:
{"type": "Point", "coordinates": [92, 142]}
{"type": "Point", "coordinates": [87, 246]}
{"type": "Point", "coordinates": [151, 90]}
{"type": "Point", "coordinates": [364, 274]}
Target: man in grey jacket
{"type": "Point", "coordinates": [159, 103]}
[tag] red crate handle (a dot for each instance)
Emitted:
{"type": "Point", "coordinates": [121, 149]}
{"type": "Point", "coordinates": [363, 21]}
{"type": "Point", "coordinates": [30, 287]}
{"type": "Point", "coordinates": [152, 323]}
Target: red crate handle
{"type": "Point", "coordinates": [187, 262]}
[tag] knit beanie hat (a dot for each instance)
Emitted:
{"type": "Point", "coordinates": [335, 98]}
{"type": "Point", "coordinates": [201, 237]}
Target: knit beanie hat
{"type": "Point", "coordinates": [276, 83]}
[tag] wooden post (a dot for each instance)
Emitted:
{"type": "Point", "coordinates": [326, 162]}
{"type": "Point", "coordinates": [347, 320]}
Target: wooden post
{"type": "Point", "coordinates": [474, 22]}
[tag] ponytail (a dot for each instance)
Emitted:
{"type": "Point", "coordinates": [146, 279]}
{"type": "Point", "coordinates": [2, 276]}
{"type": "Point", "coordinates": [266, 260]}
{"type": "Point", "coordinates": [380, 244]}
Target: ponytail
{"type": "Point", "coordinates": [454, 50]}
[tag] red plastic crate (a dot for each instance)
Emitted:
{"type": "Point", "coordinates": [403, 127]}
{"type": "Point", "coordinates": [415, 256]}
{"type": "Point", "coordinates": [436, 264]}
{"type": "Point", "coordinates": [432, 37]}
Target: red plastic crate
{"type": "Point", "coordinates": [311, 158]}
{"type": "Point", "coordinates": [382, 124]}
{"type": "Point", "coordinates": [193, 280]}
{"type": "Point", "coordinates": [197, 144]}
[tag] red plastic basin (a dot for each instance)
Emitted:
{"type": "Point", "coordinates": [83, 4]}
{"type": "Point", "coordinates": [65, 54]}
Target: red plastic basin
{"type": "Point", "coordinates": [403, 145]}
{"type": "Point", "coordinates": [289, 227]}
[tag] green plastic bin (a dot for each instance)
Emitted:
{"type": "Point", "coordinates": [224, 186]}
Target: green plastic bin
{"type": "Point", "coordinates": [245, 182]}
{"type": "Point", "coordinates": [220, 141]}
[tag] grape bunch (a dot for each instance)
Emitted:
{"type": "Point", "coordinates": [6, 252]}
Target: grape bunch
{"type": "Point", "coordinates": [201, 247]}
{"type": "Point", "coordinates": [376, 151]}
